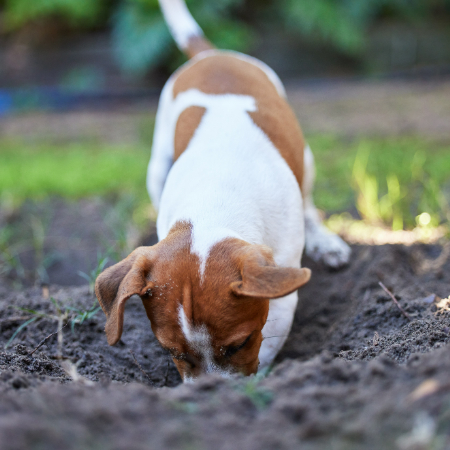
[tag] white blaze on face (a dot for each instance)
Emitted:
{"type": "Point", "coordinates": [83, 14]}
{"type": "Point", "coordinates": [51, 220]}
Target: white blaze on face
{"type": "Point", "coordinates": [199, 340]}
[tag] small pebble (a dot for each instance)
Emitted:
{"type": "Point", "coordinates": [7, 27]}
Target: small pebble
{"type": "Point", "coordinates": [429, 299]}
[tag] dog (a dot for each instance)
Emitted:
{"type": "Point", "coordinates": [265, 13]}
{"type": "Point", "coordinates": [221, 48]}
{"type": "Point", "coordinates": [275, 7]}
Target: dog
{"type": "Point", "coordinates": [231, 178]}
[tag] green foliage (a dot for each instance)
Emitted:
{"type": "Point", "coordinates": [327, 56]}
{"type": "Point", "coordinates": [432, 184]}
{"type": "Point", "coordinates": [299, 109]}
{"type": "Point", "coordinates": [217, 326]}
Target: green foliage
{"type": "Point", "coordinates": [140, 36]}
{"type": "Point", "coordinates": [328, 19]}
{"type": "Point", "coordinates": [9, 259]}
{"type": "Point", "coordinates": [80, 315]}
{"type": "Point", "coordinates": [142, 42]}
{"type": "Point", "coordinates": [259, 396]}
{"type": "Point", "coordinates": [19, 329]}
{"type": "Point", "coordinates": [77, 12]}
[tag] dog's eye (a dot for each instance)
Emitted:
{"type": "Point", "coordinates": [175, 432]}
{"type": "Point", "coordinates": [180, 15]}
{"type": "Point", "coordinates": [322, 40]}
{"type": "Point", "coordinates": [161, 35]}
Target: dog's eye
{"type": "Point", "coordinates": [233, 349]}
{"type": "Point", "coordinates": [190, 360]}
{"type": "Point", "coordinates": [186, 357]}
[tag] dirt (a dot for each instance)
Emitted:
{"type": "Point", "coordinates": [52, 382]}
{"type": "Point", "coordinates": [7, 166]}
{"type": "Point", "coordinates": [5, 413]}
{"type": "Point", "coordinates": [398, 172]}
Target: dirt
{"type": "Point", "coordinates": [347, 378]}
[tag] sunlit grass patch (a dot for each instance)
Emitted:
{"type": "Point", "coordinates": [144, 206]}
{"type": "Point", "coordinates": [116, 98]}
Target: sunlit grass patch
{"type": "Point", "coordinates": [399, 182]}
{"type": "Point", "coordinates": [71, 170]}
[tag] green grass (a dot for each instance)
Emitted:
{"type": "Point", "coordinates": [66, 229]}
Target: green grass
{"type": "Point", "coordinates": [393, 181]}
{"type": "Point", "coordinates": [72, 170]}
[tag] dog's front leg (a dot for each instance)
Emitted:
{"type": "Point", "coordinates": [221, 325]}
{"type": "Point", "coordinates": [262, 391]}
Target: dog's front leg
{"type": "Point", "coordinates": [320, 243]}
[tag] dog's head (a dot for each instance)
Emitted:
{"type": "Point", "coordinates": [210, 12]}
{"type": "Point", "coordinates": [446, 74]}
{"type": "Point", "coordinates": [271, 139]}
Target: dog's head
{"type": "Point", "coordinates": [208, 316]}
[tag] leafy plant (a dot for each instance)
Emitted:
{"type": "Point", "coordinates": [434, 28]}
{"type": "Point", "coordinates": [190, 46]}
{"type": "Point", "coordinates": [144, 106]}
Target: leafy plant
{"type": "Point", "coordinates": [142, 41]}
{"type": "Point", "coordinates": [81, 315]}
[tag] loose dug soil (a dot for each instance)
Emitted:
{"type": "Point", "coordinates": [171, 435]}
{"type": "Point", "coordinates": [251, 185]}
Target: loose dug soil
{"type": "Point", "coordinates": [354, 373]}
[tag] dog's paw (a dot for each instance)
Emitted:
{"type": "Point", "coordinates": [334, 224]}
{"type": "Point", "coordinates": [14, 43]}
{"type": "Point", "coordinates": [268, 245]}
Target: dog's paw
{"type": "Point", "coordinates": [328, 248]}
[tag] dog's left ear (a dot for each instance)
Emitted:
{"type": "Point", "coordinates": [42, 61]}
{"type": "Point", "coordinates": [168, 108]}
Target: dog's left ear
{"type": "Point", "coordinates": [118, 283]}
{"type": "Point", "coordinates": [262, 278]}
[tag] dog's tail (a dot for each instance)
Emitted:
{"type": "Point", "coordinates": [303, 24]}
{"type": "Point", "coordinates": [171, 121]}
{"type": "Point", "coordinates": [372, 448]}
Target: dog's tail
{"type": "Point", "coordinates": [185, 30]}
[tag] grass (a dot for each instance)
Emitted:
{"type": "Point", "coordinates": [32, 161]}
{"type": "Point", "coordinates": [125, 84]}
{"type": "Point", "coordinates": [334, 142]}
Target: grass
{"type": "Point", "coordinates": [62, 313]}
{"type": "Point", "coordinates": [94, 273]}
{"type": "Point", "coordinates": [392, 180]}
{"type": "Point", "coordinates": [72, 170]}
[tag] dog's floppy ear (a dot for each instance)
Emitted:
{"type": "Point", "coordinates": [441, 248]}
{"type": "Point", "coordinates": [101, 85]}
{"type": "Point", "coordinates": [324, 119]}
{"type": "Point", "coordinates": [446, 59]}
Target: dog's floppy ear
{"type": "Point", "coordinates": [118, 283]}
{"type": "Point", "coordinates": [262, 278]}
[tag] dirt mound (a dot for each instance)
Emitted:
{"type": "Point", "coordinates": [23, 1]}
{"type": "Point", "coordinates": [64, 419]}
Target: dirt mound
{"type": "Point", "coordinates": [346, 378]}
{"type": "Point", "coordinates": [83, 343]}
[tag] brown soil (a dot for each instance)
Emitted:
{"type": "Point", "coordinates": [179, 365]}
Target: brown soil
{"type": "Point", "coordinates": [344, 379]}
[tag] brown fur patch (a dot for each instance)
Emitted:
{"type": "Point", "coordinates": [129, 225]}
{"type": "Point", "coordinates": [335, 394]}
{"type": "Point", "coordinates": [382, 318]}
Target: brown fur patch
{"type": "Point", "coordinates": [188, 122]}
{"type": "Point", "coordinates": [222, 74]}
{"type": "Point", "coordinates": [196, 45]}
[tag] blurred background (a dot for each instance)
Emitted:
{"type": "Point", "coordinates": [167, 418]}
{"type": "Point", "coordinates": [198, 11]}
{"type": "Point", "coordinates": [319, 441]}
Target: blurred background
{"type": "Point", "coordinates": [79, 83]}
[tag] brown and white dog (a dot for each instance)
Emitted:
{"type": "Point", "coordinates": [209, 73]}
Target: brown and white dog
{"type": "Point", "coordinates": [232, 179]}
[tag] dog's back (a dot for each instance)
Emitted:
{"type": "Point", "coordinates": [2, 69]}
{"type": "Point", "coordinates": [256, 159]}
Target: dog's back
{"type": "Point", "coordinates": [220, 73]}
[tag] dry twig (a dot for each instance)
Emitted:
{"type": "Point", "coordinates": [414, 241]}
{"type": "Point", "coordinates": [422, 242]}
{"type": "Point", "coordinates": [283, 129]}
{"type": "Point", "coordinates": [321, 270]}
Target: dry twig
{"type": "Point", "coordinates": [385, 289]}
{"type": "Point", "coordinates": [14, 318]}
{"type": "Point", "coordinates": [47, 338]}
{"type": "Point", "coordinates": [71, 370]}
{"type": "Point", "coordinates": [376, 338]}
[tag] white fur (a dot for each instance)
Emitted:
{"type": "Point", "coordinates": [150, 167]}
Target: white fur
{"type": "Point", "coordinates": [180, 21]}
{"type": "Point", "coordinates": [200, 341]}
{"type": "Point", "coordinates": [163, 146]}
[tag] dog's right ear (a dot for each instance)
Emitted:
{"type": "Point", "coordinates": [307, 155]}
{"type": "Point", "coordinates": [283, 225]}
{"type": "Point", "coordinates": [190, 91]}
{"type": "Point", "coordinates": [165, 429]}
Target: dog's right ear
{"type": "Point", "coordinates": [118, 283]}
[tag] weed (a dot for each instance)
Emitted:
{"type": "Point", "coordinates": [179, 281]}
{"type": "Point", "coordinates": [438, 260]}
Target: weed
{"type": "Point", "coordinates": [119, 220]}
{"type": "Point", "coordinates": [63, 314]}
{"type": "Point", "coordinates": [259, 396]}
{"type": "Point", "coordinates": [94, 273]}
{"type": "Point", "coordinates": [19, 329]}
{"type": "Point", "coordinates": [81, 315]}
{"type": "Point", "coordinates": [9, 260]}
